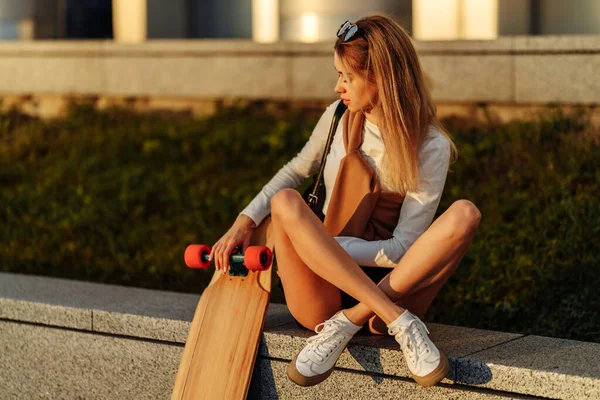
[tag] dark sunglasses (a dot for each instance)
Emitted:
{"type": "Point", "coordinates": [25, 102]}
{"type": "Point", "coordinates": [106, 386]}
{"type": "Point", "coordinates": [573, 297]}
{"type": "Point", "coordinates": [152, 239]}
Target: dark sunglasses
{"type": "Point", "coordinates": [347, 30]}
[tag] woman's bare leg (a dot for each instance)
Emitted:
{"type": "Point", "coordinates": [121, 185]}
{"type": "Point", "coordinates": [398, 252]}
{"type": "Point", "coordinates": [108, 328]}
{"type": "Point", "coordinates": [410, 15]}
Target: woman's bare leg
{"type": "Point", "coordinates": [318, 250]}
{"type": "Point", "coordinates": [426, 266]}
{"type": "Point", "coordinates": [310, 298]}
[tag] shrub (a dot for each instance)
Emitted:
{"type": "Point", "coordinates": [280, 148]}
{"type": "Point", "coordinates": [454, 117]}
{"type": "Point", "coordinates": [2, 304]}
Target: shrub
{"type": "Point", "coordinates": [534, 264]}
{"type": "Point", "coordinates": [114, 196]}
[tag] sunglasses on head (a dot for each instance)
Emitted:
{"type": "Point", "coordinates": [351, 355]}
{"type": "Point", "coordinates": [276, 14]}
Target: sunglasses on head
{"type": "Point", "coordinates": [347, 31]}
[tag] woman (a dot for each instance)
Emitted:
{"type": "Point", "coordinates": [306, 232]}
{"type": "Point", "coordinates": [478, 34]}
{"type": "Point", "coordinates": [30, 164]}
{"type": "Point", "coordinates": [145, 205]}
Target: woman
{"type": "Point", "coordinates": [383, 272]}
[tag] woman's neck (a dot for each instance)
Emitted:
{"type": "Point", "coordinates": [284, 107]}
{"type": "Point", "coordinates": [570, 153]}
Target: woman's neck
{"type": "Point", "coordinates": [372, 117]}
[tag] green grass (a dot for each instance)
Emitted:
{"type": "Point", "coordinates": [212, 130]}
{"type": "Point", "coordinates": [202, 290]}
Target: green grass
{"type": "Point", "coordinates": [115, 197]}
{"type": "Point", "coordinates": [534, 266]}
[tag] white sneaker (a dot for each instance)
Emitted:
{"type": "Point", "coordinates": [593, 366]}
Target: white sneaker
{"type": "Point", "coordinates": [316, 360]}
{"type": "Point", "coordinates": [427, 364]}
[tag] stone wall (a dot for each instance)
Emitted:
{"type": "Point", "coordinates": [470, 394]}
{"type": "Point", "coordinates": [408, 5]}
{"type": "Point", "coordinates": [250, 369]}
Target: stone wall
{"type": "Point", "coordinates": [519, 73]}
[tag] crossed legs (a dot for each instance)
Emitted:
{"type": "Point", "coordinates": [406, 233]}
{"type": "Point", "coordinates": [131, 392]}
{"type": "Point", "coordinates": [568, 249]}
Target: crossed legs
{"type": "Point", "coordinates": [313, 267]}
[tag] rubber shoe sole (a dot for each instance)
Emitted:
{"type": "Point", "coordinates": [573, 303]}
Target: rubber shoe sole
{"type": "Point", "coordinates": [430, 379]}
{"type": "Point", "coordinates": [436, 375]}
{"type": "Point", "coordinates": [302, 380]}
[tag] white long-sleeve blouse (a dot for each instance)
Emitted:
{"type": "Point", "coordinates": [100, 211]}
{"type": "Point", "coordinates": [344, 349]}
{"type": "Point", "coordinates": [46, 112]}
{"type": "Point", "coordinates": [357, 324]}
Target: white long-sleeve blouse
{"type": "Point", "coordinates": [418, 208]}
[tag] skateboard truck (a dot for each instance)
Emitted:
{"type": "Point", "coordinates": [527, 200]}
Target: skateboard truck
{"type": "Point", "coordinates": [256, 258]}
{"type": "Point", "coordinates": [236, 263]}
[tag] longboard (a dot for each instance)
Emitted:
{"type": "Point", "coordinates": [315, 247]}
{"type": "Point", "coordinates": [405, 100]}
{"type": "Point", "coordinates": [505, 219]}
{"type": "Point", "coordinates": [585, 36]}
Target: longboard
{"type": "Point", "coordinates": [222, 344]}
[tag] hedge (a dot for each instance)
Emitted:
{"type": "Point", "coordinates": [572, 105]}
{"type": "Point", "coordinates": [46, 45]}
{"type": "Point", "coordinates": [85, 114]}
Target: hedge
{"type": "Point", "coordinates": [114, 196]}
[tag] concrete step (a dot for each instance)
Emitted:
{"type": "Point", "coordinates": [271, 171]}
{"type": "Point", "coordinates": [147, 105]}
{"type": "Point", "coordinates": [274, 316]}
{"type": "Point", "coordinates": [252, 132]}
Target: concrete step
{"type": "Point", "coordinates": [70, 339]}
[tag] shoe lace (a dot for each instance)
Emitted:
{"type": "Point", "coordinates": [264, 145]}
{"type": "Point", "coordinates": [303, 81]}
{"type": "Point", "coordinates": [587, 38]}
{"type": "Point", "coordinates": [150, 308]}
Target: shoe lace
{"type": "Point", "coordinates": [327, 339]}
{"type": "Point", "coordinates": [412, 339]}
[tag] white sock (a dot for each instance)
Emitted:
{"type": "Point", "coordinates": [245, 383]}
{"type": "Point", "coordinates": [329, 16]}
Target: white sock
{"type": "Point", "coordinates": [403, 319]}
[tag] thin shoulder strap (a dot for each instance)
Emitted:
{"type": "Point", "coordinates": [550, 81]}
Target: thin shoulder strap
{"type": "Point", "coordinates": [339, 111]}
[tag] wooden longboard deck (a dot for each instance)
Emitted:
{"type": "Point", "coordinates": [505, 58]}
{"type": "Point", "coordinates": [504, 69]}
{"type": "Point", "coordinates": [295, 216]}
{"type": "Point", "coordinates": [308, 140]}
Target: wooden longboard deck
{"type": "Point", "coordinates": [222, 344]}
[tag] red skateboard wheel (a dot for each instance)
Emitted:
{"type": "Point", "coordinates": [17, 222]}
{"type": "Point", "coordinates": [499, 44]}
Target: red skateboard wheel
{"type": "Point", "coordinates": [194, 256]}
{"type": "Point", "coordinates": [258, 258]}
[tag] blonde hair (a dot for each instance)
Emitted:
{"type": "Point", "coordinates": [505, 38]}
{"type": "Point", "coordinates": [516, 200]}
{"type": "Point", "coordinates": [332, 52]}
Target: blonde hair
{"type": "Point", "coordinates": [384, 52]}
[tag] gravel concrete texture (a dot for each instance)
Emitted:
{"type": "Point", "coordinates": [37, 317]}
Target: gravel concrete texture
{"type": "Point", "coordinates": [498, 361]}
{"type": "Point", "coordinates": [381, 354]}
{"type": "Point", "coordinates": [469, 78]}
{"type": "Point", "coordinates": [537, 365]}
{"type": "Point", "coordinates": [554, 78]}
{"type": "Point", "coordinates": [49, 363]}
{"type": "Point", "coordinates": [270, 382]}
{"type": "Point", "coordinates": [217, 76]}
{"type": "Point", "coordinates": [47, 314]}
{"type": "Point", "coordinates": [120, 310]}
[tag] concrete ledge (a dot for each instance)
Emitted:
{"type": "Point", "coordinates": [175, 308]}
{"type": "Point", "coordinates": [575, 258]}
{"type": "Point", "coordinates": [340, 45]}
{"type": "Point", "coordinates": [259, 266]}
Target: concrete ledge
{"type": "Point", "coordinates": [63, 338]}
{"type": "Point", "coordinates": [117, 310]}
{"type": "Point", "coordinates": [518, 70]}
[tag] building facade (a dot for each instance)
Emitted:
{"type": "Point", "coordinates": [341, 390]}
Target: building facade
{"type": "Point", "coordinates": [289, 20]}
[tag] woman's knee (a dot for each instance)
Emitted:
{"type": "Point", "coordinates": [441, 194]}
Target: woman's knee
{"type": "Point", "coordinates": [464, 218]}
{"type": "Point", "coordinates": [285, 203]}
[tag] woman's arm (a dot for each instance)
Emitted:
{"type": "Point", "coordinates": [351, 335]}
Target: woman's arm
{"type": "Point", "coordinates": [292, 174]}
{"type": "Point", "coordinates": [416, 214]}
